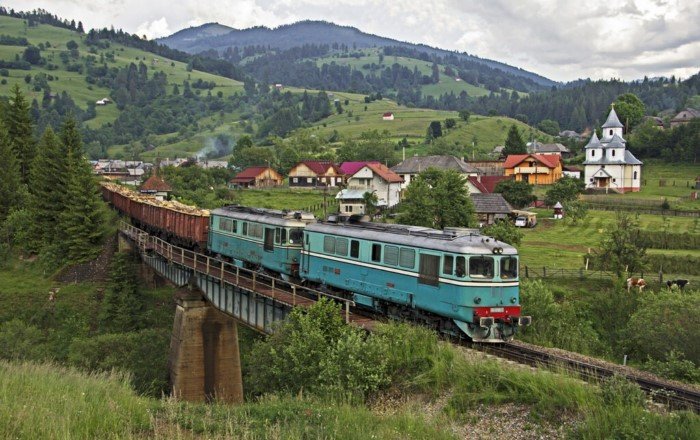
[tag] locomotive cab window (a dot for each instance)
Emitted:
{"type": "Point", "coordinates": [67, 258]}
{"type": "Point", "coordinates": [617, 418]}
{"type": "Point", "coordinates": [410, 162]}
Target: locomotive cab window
{"type": "Point", "coordinates": [461, 269]}
{"type": "Point", "coordinates": [481, 267]}
{"type": "Point", "coordinates": [354, 249]}
{"type": "Point", "coordinates": [391, 255]}
{"type": "Point", "coordinates": [509, 267]}
{"type": "Point", "coordinates": [295, 235]}
{"type": "Point", "coordinates": [377, 252]}
{"type": "Point", "coordinates": [447, 264]}
{"type": "Point", "coordinates": [428, 269]}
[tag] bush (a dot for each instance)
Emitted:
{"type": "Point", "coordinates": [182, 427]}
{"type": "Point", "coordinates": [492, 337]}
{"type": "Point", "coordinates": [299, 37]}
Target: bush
{"type": "Point", "coordinates": [675, 366]}
{"type": "Point", "coordinates": [618, 391]}
{"type": "Point", "coordinates": [19, 340]}
{"type": "Point", "coordinates": [504, 231]}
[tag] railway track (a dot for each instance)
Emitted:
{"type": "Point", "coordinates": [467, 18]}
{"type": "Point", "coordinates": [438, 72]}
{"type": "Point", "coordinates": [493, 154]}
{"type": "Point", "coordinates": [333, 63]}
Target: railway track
{"type": "Point", "coordinates": [675, 396]}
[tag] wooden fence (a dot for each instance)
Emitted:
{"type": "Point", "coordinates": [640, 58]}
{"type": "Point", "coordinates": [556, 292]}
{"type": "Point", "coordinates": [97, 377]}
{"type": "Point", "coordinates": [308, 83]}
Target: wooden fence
{"type": "Point", "coordinates": [542, 272]}
{"type": "Point", "coordinates": [642, 209]}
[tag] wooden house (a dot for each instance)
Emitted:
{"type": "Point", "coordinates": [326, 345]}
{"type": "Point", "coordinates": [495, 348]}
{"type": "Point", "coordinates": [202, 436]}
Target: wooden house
{"type": "Point", "coordinates": [535, 169]}
{"type": "Point", "coordinates": [315, 173]}
{"type": "Point", "coordinates": [256, 177]}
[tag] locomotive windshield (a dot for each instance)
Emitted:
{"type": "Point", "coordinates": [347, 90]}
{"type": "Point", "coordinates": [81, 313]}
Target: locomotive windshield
{"type": "Point", "coordinates": [481, 267]}
{"type": "Point", "coordinates": [296, 235]}
{"type": "Point", "coordinates": [509, 267]}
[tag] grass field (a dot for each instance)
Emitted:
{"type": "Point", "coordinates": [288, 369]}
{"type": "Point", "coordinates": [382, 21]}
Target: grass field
{"type": "Point", "coordinates": [74, 83]}
{"type": "Point", "coordinates": [558, 244]}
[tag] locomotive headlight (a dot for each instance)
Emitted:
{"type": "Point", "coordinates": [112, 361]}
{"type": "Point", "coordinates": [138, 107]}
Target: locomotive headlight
{"type": "Point", "coordinates": [513, 300]}
{"type": "Point", "coordinates": [477, 300]}
{"type": "Point", "coordinates": [497, 250]}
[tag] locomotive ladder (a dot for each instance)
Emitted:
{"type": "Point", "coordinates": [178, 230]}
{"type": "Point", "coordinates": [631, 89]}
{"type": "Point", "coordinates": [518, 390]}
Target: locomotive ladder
{"type": "Point", "coordinates": [255, 299]}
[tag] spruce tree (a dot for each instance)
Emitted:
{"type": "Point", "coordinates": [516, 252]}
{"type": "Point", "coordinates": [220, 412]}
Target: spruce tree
{"type": "Point", "coordinates": [9, 176]}
{"type": "Point", "coordinates": [19, 127]}
{"type": "Point", "coordinates": [123, 303]}
{"type": "Point", "coordinates": [82, 220]}
{"type": "Point", "coordinates": [514, 142]}
{"type": "Point", "coordinates": [46, 191]}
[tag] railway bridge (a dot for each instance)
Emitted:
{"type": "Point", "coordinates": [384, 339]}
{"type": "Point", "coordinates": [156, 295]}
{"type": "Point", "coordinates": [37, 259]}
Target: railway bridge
{"type": "Point", "coordinates": [214, 298]}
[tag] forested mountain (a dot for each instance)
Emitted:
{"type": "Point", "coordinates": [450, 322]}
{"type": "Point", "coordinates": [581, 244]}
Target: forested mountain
{"type": "Point", "coordinates": [316, 33]}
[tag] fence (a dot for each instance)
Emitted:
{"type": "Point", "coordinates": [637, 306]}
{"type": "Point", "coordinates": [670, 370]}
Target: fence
{"type": "Point", "coordinates": [642, 209]}
{"type": "Point", "coordinates": [581, 273]}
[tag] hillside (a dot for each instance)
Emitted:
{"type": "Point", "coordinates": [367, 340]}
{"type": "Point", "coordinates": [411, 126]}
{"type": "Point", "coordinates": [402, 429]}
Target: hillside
{"type": "Point", "coordinates": [210, 36]}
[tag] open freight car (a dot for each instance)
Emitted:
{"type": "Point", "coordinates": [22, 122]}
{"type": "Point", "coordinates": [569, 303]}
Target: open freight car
{"type": "Point", "coordinates": [177, 223]}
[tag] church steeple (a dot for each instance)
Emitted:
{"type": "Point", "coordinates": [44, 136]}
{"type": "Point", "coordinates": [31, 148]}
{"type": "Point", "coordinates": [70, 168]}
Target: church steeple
{"type": "Point", "coordinates": [612, 125]}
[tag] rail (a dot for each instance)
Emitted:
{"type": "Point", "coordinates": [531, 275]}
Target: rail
{"type": "Point", "coordinates": [675, 396]}
{"type": "Point", "coordinates": [277, 289]}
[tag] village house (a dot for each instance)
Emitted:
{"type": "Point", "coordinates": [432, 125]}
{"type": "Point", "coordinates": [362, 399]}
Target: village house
{"type": "Point", "coordinates": [388, 116]}
{"type": "Point", "coordinates": [374, 178]}
{"type": "Point", "coordinates": [485, 184]}
{"type": "Point", "coordinates": [211, 164]}
{"type": "Point", "coordinates": [571, 171]}
{"type": "Point", "coordinates": [156, 187]}
{"type": "Point", "coordinates": [256, 177]}
{"type": "Point", "coordinates": [684, 117]}
{"type": "Point", "coordinates": [314, 173]}
{"type": "Point", "coordinates": [490, 207]}
{"type": "Point", "coordinates": [411, 167]}
{"type": "Point", "coordinates": [347, 169]}
{"type": "Point", "coordinates": [655, 121]}
{"type": "Point", "coordinates": [556, 148]}
{"type": "Point", "coordinates": [535, 169]}
{"type": "Point", "coordinates": [608, 165]}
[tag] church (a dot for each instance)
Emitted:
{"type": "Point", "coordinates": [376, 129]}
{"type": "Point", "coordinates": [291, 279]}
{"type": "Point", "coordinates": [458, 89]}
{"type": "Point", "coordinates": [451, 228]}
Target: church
{"type": "Point", "coordinates": [608, 165]}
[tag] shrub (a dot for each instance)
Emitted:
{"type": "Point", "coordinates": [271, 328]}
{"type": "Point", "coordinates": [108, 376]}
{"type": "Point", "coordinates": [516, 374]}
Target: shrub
{"type": "Point", "coordinates": [675, 366]}
{"type": "Point", "coordinates": [618, 391]}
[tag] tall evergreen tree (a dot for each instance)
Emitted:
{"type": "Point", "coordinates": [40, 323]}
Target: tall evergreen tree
{"type": "Point", "coordinates": [123, 303]}
{"type": "Point", "coordinates": [83, 217]}
{"type": "Point", "coordinates": [514, 142]}
{"type": "Point", "coordinates": [9, 176]}
{"type": "Point", "coordinates": [48, 186]}
{"type": "Point", "coordinates": [19, 127]}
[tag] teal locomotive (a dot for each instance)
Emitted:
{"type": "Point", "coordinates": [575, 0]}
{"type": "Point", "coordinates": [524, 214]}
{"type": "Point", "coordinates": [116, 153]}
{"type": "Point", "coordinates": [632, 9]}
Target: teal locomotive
{"type": "Point", "coordinates": [457, 282]}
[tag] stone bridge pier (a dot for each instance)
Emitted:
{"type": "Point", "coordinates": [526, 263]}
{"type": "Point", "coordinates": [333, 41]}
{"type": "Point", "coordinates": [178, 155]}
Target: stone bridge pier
{"type": "Point", "coordinates": [204, 359]}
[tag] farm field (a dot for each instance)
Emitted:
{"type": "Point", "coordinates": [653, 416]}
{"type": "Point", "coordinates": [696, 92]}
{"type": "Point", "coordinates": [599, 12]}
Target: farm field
{"type": "Point", "coordinates": [558, 244]}
{"type": "Point", "coordinates": [677, 181]}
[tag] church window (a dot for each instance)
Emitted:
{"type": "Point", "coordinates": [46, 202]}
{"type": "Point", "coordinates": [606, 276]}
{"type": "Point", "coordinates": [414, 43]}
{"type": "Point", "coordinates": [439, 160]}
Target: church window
{"type": "Point", "coordinates": [613, 153]}
{"type": "Point", "coordinates": [592, 153]}
{"type": "Point", "coordinates": [611, 132]}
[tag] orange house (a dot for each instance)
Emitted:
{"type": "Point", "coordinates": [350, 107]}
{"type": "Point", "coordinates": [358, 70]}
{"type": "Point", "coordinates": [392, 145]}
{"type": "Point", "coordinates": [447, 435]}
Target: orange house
{"type": "Point", "coordinates": [535, 169]}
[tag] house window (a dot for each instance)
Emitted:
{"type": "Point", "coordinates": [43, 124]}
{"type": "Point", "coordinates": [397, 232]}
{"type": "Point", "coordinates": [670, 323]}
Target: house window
{"type": "Point", "coordinates": [377, 252]}
{"type": "Point", "coordinates": [295, 179]}
{"type": "Point", "coordinates": [407, 258]}
{"type": "Point", "coordinates": [348, 208]}
{"type": "Point", "coordinates": [354, 249]}
{"type": "Point", "coordinates": [447, 264]}
{"type": "Point", "coordinates": [391, 255]}
{"type": "Point", "coordinates": [309, 180]}
{"type": "Point", "coordinates": [634, 175]}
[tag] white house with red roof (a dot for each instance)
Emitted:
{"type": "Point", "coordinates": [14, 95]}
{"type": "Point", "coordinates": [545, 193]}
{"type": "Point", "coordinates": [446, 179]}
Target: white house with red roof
{"type": "Point", "coordinates": [315, 173]}
{"type": "Point", "coordinates": [388, 116]}
{"type": "Point", "coordinates": [374, 178]}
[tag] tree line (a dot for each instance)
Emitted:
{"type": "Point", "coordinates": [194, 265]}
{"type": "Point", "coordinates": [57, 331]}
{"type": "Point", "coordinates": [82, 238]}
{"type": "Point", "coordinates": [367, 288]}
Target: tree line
{"type": "Point", "coordinates": [49, 202]}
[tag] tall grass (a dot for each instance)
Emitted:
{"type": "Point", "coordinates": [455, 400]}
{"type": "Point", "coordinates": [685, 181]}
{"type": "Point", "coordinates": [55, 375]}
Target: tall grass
{"type": "Point", "coordinates": [49, 401]}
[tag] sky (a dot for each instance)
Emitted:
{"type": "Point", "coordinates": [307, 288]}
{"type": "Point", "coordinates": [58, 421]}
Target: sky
{"type": "Point", "coordinates": [560, 39]}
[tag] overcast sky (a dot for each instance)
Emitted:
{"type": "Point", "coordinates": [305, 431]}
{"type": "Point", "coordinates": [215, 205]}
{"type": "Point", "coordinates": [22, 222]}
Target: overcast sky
{"type": "Point", "coordinates": [560, 39]}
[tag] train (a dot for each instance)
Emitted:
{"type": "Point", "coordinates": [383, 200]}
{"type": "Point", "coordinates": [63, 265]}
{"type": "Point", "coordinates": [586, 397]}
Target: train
{"type": "Point", "coordinates": [457, 281]}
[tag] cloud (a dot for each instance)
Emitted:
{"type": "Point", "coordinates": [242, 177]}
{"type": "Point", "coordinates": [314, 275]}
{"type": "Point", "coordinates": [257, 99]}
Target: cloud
{"type": "Point", "coordinates": [154, 29]}
{"type": "Point", "coordinates": [561, 40]}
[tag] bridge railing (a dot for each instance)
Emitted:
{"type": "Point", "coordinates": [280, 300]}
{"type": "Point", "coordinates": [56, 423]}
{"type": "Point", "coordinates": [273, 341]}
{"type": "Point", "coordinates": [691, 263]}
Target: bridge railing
{"type": "Point", "coordinates": [263, 284]}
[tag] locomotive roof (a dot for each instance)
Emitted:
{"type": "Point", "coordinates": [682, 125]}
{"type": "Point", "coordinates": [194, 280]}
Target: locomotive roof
{"type": "Point", "coordinates": [416, 236]}
{"type": "Point", "coordinates": [267, 216]}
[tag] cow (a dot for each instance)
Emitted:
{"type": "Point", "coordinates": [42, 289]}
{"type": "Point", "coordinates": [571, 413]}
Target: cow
{"type": "Point", "coordinates": [678, 283]}
{"type": "Point", "coordinates": [636, 282]}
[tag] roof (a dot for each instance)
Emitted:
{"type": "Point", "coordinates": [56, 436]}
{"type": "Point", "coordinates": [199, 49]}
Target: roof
{"type": "Point", "coordinates": [615, 142]}
{"type": "Point", "coordinates": [320, 167]}
{"type": "Point", "coordinates": [628, 159]}
{"type": "Point", "coordinates": [548, 160]}
{"type": "Point", "coordinates": [155, 183]}
{"type": "Point", "coordinates": [351, 194]}
{"type": "Point", "coordinates": [248, 174]}
{"type": "Point", "coordinates": [593, 142]}
{"type": "Point", "coordinates": [350, 168]}
{"type": "Point", "coordinates": [571, 168]}
{"type": "Point", "coordinates": [417, 164]}
{"type": "Point", "coordinates": [487, 184]}
{"type": "Point", "coordinates": [388, 114]}
{"type": "Point", "coordinates": [613, 121]}
{"type": "Point", "coordinates": [549, 148]}
{"type": "Point", "coordinates": [490, 204]}
{"type": "Point", "coordinates": [691, 111]}
{"type": "Point", "coordinates": [384, 172]}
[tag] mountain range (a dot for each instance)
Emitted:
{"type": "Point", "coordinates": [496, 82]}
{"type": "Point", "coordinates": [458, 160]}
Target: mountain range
{"type": "Point", "coordinates": [218, 37]}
